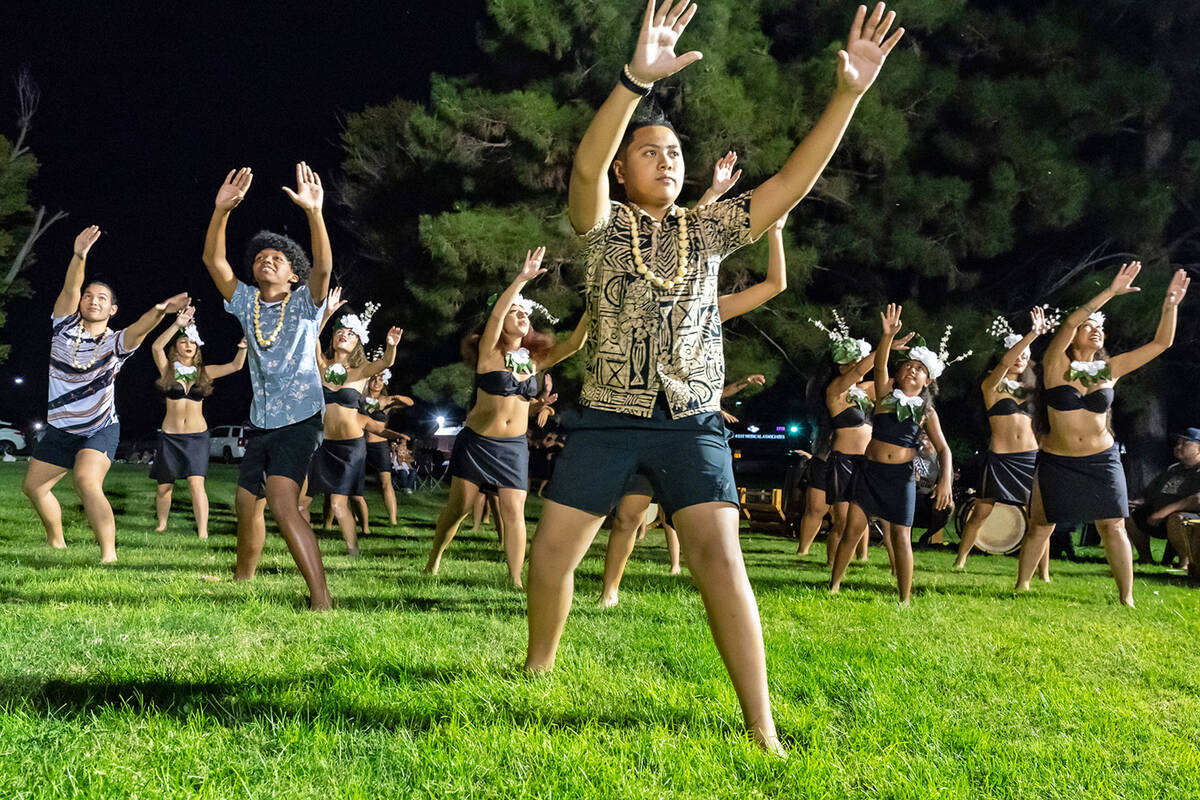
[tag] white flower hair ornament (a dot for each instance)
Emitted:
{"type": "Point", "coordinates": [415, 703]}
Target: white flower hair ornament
{"type": "Point", "coordinates": [377, 354]}
{"type": "Point", "coordinates": [192, 335]}
{"type": "Point", "coordinates": [1097, 318]}
{"type": "Point", "coordinates": [936, 363]}
{"type": "Point", "coordinates": [844, 348]}
{"type": "Point", "coordinates": [356, 325]}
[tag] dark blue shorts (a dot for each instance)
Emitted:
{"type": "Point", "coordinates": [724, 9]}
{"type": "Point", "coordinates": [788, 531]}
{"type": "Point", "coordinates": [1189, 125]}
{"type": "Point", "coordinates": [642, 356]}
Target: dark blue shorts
{"type": "Point", "coordinates": [59, 448]}
{"type": "Point", "coordinates": [285, 451]}
{"type": "Point", "coordinates": [687, 461]}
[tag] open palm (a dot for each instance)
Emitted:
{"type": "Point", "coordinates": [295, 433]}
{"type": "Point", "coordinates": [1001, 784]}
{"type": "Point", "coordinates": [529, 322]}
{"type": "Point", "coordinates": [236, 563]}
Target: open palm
{"type": "Point", "coordinates": [654, 58]}
{"type": "Point", "coordinates": [866, 49]}
{"type": "Point", "coordinates": [308, 195]}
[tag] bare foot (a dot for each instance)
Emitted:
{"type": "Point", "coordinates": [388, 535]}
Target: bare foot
{"type": "Point", "coordinates": [607, 600]}
{"type": "Point", "coordinates": [57, 544]}
{"type": "Point", "coordinates": [1046, 578]}
{"type": "Point", "coordinates": [352, 552]}
{"type": "Point", "coordinates": [202, 535]}
{"type": "Point", "coordinates": [834, 588]}
{"type": "Point", "coordinates": [1128, 602]}
{"type": "Point", "coordinates": [324, 604]}
{"type": "Point", "coordinates": [675, 570]}
{"type": "Point", "coordinates": [769, 741]}
{"type": "Point", "coordinates": [1023, 587]}
{"type": "Point", "coordinates": [431, 569]}
{"type": "Point", "coordinates": [162, 526]}
{"type": "Point", "coordinates": [108, 558]}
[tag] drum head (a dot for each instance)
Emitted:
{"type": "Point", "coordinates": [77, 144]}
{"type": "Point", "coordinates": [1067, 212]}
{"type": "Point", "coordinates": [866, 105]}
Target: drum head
{"type": "Point", "coordinates": [1003, 530]}
{"type": "Point", "coordinates": [651, 514]}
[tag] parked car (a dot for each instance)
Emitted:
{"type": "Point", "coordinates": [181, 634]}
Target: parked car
{"type": "Point", "coordinates": [11, 439]}
{"type": "Point", "coordinates": [228, 443]}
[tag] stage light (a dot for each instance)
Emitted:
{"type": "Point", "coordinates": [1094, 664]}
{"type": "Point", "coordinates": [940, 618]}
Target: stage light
{"type": "Point", "coordinates": [793, 428]}
{"type": "Point", "coordinates": [441, 421]}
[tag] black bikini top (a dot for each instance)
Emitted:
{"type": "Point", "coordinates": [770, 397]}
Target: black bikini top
{"type": "Point", "coordinates": [177, 392]}
{"type": "Point", "coordinates": [889, 428]}
{"type": "Point", "coordinates": [373, 410]}
{"type": "Point", "coordinates": [503, 383]}
{"type": "Point", "coordinates": [852, 417]}
{"type": "Point", "coordinates": [1068, 398]}
{"type": "Point", "coordinates": [344, 397]}
{"type": "Point", "coordinates": [1007, 406]}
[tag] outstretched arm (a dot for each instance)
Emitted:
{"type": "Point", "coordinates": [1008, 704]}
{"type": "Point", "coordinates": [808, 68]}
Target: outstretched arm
{"type": "Point", "coordinates": [231, 193]}
{"type": "Point", "coordinates": [733, 388]}
{"type": "Point", "coordinates": [891, 323]}
{"type": "Point", "coordinates": [750, 298]}
{"type": "Point", "coordinates": [858, 66]}
{"type": "Point", "coordinates": [495, 324]}
{"type": "Point", "coordinates": [842, 383]}
{"type": "Point", "coordinates": [239, 361]}
{"type": "Point", "coordinates": [386, 360]}
{"type": "Point", "coordinates": [567, 347]}
{"type": "Point", "coordinates": [310, 196]}
{"type": "Point", "coordinates": [136, 333]}
{"type": "Point", "coordinates": [159, 347]}
{"type": "Point", "coordinates": [1056, 351]}
{"type": "Point", "coordinates": [1164, 337]}
{"type": "Point", "coordinates": [379, 428]}
{"type": "Point", "coordinates": [67, 302]}
{"type": "Point", "coordinates": [1037, 326]}
{"type": "Point", "coordinates": [653, 59]}
{"type": "Point", "coordinates": [723, 179]}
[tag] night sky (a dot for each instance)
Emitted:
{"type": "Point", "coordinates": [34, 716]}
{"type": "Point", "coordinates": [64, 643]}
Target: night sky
{"type": "Point", "coordinates": [144, 109]}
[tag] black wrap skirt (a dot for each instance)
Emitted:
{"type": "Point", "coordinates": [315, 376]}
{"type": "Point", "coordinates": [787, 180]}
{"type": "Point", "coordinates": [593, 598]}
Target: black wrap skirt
{"type": "Point", "coordinates": [180, 455]}
{"type": "Point", "coordinates": [379, 458]}
{"type": "Point", "coordinates": [491, 462]}
{"type": "Point", "coordinates": [886, 491]}
{"type": "Point", "coordinates": [1008, 477]}
{"type": "Point", "coordinates": [840, 476]}
{"type": "Point", "coordinates": [1083, 488]}
{"type": "Point", "coordinates": [338, 467]}
{"type": "Point", "coordinates": [817, 474]}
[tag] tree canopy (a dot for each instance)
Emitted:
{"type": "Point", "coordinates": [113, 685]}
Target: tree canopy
{"type": "Point", "coordinates": [1010, 154]}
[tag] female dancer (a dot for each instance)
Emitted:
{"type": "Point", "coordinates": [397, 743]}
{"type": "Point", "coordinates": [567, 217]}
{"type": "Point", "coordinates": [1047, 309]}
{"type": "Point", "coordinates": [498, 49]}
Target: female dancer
{"type": "Point", "coordinates": [376, 404]}
{"type": "Point", "coordinates": [491, 450]}
{"type": "Point", "coordinates": [1012, 453]}
{"type": "Point", "coordinates": [1079, 475]}
{"type": "Point", "coordinates": [185, 380]}
{"type": "Point", "coordinates": [885, 485]}
{"type": "Point", "coordinates": [338, 465]}
{"type": "Point", "coordinates": [849, 400]}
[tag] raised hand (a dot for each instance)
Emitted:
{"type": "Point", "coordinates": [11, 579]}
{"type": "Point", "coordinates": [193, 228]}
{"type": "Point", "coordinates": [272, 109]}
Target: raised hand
{"type": "Point", "coordinates": [757, 380]}
{"type": "Point", "coordinates": [393, 336]}
{"type": "Point", "coordinates": [866, 49]}
{"type": "Point", "coordinates": [308, 195]}
{"type": "Point", "coordinates": [724, 176]}
{"type": "Point", "coordinates": [533, 264]}
{"type": "Point", "coordinates": [1037, 320]}
{"type": "Point", "coordinates": [335, 300]}
{"type": "Point", "coordinates": [1123, 283]}
{"type": "Point", "coordinates": [186, 316]}
{"type": "Point", "coordinates": [891, 319]}
{"type": "Point", "coordinates": [242, 344]}
{"type": "Point", "coordinates": [654, 58]}
{"type": "Point", "coordinates": [234, 189]}
{"type": "Point", "coordinates": [174, 304]}
{"type": "Point", "coordinates": [902, 343]}
{"type": "Point", "coordinates": [730, 419]}
{"type": "Point", "coordinates": [1176, 289]}
{"type": "Point", "coordinates": [86, 238]}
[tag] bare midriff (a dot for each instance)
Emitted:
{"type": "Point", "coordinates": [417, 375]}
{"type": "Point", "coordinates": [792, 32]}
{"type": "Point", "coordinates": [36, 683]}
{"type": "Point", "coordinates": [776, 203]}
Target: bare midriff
{"type": "Point", "coordinates": [1012, 433]}
{"type": "Point", "coordinates": [184, 416]}
{"type": "Point", "coordinates": [342, 422]}
{"type": "Point", "coordinates": [887, 453]}
{"type": "Point", "coordinates": [493, 415]}
{"type": "Point", "coordinates": [1077, 433]}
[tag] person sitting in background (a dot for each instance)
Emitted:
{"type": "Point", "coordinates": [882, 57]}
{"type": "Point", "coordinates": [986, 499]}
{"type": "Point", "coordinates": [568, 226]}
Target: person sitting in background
{"type": "Point", "coordinates": [1170, 498]}
{"type": "Point", "coordinates": [928, 516]}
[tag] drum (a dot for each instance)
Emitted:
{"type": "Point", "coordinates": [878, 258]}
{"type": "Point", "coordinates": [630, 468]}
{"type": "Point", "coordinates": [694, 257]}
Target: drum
{"type": "Point", "coordinates": [1003, 530]}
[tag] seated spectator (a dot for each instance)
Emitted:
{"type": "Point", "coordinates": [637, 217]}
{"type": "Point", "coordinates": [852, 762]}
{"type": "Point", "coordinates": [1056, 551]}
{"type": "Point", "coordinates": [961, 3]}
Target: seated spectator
{"type": "Point", "coordinates": [929, 469]}
{"type": "Point", "coordinates": [1171, 498]}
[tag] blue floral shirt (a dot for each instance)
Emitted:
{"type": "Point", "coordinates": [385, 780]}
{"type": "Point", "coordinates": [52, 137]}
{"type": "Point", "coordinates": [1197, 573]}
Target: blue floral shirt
{"type": "Point", "coordinates": [284, 379]}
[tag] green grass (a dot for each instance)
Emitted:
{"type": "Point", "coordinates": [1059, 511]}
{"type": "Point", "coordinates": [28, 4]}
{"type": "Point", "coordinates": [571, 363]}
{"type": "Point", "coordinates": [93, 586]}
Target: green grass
{"type": "Point", "coordinates": [161, 677]}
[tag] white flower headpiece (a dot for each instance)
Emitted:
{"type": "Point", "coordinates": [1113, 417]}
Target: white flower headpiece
{"type": "Point", "coordinates": [844, 348]}
{"type": "Point", "coordinates": [1000, 327]}
{"type": "Point", "coordinates": [1096, 318]}
{"type": "Point", "coordinates": [377, 354]}
{"type": "Point", "coordinates": [529, 306]}
{"type": "Point", "coordinates": [359, 324]}
{"type": "Point", "coordinates": [937, 362]}
{"type": "Point", "coordinates": [193, 335]}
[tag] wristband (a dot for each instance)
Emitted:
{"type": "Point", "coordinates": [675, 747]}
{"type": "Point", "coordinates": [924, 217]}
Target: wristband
{"type": "Point", "coordinates": [633, 84]}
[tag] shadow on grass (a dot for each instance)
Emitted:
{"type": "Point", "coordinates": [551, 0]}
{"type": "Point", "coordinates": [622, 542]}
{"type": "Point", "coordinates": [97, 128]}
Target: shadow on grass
{"type": "Point", "coordinates": [233, 703]}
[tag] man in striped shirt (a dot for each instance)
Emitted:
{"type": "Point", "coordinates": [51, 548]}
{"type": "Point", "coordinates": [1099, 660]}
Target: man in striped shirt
{"type": "Point", "coordinates": [83, 430]}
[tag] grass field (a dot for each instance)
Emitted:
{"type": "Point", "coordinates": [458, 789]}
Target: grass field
{"type": "Point", "coordinates": [161, 677]}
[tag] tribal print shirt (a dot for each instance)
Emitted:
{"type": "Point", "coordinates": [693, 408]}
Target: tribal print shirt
{"type": "Point", "coordinates": [643, 340]}
{"type": "Point", "coordinates": [284, 380]}
{"type": "Point", "coordinates": [82, 399]}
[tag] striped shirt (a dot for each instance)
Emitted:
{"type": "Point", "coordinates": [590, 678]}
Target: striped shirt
{"type": "Point", "coordinates": [81, 398]}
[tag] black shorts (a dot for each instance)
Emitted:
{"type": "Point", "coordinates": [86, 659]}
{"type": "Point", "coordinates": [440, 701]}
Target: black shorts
{"type": "Point", "coordinates": [338, 467]}
{"type": "Point", "coordinates": [687, 461]}
{"type": "Point", "coordinates": [180, 455]}
{"type": "Point", "coordinates": [59, 448]}
{"type": "Point", "coordinates": [285, 451]}
{"type": "Point", "coordinates": [379, 458]}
